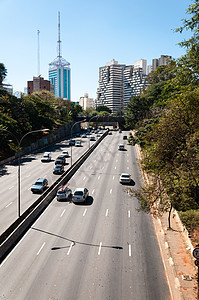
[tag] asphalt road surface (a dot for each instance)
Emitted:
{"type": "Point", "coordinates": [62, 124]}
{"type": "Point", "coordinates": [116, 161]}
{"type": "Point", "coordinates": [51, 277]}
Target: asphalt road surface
{"type": "Point", "coordinates": [101, 249]}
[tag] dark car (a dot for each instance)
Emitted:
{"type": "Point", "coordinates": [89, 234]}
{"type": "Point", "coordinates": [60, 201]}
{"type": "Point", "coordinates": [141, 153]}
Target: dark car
{"type": "Point", "coordinates": [60, 160]}
{"type": "Point", "coordinates": [58, 169]}
{"type": "Point", "coordinates": [125, 137]}
{"type": "Point", "coordinates": [71, 142]}
{"type": "Point", "coordinates": [40, 185]}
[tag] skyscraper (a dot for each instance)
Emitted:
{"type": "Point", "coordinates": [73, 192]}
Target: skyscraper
{"type": "Point", "coordinates": [60, 73]}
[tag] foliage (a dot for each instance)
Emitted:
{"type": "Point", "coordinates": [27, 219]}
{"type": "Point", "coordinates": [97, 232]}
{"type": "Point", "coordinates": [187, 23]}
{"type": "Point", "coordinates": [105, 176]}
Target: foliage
{"type": "Point", "coordinates": [190, 219]}
{"type": "Point", "coordinates": [3, 73]}
{"type": "Point", "coordinates": [103, 108]}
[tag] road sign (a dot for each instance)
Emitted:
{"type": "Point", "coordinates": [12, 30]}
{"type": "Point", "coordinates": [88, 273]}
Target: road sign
{"type": "Point", "coordinates": [197, 262]}
{"type": "Point", "coordinates": [196, 253]}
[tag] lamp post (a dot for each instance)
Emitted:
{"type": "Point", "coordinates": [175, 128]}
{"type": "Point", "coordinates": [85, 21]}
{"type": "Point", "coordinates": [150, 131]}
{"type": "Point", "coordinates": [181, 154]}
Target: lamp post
{"type": "Point", "coordinates": [19, 162]}
{"type": "Point", "coordinates": [71, 139]}
{"type": "Point", "coordinates": [89, 126]}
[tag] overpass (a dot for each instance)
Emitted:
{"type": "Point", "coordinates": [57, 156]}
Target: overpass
{"type": "Point", "coordinates": [115, 121]}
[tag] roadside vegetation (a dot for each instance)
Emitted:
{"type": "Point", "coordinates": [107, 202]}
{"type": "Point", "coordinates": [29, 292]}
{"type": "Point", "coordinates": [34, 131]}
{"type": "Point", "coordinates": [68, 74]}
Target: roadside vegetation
{"type": "Point", "coordinates": [165, 123]}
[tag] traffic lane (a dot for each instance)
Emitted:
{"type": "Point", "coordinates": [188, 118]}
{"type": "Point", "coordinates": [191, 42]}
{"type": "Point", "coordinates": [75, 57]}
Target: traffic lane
{"type": "Point", "coordinates": [35, 242]}
{"type": "Point", "coordinates": [31, 169]}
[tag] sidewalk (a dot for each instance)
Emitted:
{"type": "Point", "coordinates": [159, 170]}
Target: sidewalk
{"type": "Point", "coordinates": [177, 256]}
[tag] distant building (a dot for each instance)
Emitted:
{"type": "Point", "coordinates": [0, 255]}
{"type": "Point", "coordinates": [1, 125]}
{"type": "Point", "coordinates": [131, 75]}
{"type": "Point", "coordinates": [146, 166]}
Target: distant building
{"type": "Point", "coordinates": [39, 84]}
{"type": "Point", "coordinates": [86, 102]}
{"type": "Point", "coordinates": [60, 73]}
{"type": "Point", "coordinates": [142, 63]}
{"type": "Point", "coordinates": [7, 87]}
{"type": "Point", "coordinates": [118, 83]}
{"type": "Point", "coordinates": [162, 61]}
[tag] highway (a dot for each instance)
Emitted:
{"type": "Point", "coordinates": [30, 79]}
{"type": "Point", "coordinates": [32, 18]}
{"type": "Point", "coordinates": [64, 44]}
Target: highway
{"type": "Point", "coordinates": [102, 249]}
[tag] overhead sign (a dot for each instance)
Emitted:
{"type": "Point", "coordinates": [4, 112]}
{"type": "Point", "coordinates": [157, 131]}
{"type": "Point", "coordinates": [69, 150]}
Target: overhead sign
{"type": "Point", "coordinates": [196, 253]}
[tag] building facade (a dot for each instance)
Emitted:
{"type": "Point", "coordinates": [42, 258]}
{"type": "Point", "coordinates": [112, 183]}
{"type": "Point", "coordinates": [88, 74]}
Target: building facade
{"type": "Point", "coordinates": [39, 84]}
{"type": "Point", "coordinates": [162, 61]}
{"type": "Point", "coordinates": [86, 102]}
{"type": "Point", "coordinates": [118, 83]}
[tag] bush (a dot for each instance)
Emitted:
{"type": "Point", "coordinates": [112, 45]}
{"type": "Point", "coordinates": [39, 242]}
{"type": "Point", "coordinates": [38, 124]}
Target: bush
{"type": "Point", "coordinates": [190, 219]}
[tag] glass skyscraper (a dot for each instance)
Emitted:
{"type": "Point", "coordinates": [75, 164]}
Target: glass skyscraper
{"type": "Point", "coordinates": [60, 73]}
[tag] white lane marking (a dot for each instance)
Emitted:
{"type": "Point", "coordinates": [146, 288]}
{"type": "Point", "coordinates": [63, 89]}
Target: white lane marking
{"type": "Point", "coordinates": [113, 177]}
{"type": "Point", "coordinates": [93, 191]}
{"type": "Point", "coordinates": [41, 248]}
{"type": "Point", "coordinates": [115, 167]}
{"type": "Point", "coordinates": [9, 204]}
{"type": "Point", "coordinates": [129, 250]}
{"type": "Point", "coordinates": [98, 177]}
{"type": "Point", "coordinates": [70, 248]}
{"type": "Point", "coordinates": [84, 178]}
{"type": "Point", "coordinates": [107, 212]}
{"type": "Point", "coordinates": [110, 191]}
{"type": "Point", "coordinates": [171, 261]}
{"type": "Point", "coordinates": [166, 245]}
{"type": "Point", "coordinates": [129, 214]}
{"type": "Point", "coordinates": [28, 175]}
{"type": "Point", "coordinates": [63, 212]}
{"type": "Point", "coordinates": [100, 247]}
{"type": "Point", "coordinates": [11, 187]}
{"type": "Point", "coordinates": [116, 160]}
{"type": "Point", "coordinates": [84, 212]}
{"type": "Point", "coordinates": [127, 168]}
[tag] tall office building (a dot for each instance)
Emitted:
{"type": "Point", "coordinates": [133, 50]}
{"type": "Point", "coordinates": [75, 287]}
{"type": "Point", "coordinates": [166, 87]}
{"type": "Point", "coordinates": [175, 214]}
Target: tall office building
{"type": "Point", "coordinates": [118, 83]}
{"type": "Point", "coordinates": [110, 91]}
{"type": "Point", "coordinates": [60, 73]}
{"type": "Point", "coordinates": [162, 61]}
{"type": "Point", "coordinates": [86, 102]}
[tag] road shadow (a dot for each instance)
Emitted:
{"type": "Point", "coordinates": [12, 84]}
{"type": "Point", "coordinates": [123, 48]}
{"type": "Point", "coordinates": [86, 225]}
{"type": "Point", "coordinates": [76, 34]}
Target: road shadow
{"type": "Point", "coordinates": [75, 242]}
{"type": "Point", "coordinates": [88, 202]}
{"type": "Point", "coordinates": [132, 183]}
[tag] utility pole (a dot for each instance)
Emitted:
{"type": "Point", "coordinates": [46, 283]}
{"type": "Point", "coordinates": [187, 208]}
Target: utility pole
{"type": "Point", "coordinates": [38, 54]}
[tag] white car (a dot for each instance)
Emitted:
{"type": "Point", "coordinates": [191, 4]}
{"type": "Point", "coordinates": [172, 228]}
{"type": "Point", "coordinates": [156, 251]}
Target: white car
{"type": "Point", "coordinates": [64, 193]}
{"type": "Point", "coordinates": [46, 157]}
{"type": "Point", "coordinates": [80, 195]}
{"type": "Point", "coordinates": [121, 147]}
{"type": "Point", "coordinates": [125, 178]}
{"type": "Point", "coordinates": [78, 144]}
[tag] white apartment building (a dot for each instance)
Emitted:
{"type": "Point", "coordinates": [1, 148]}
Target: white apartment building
{"type": "Point", "coordinates": [142, 63]}
{"type": "Point", "coordinates": [162, 61]}
{"type": "Point", "coordinates": [118, 83]}
{"type": "Point", "coordinates": [86, 102]}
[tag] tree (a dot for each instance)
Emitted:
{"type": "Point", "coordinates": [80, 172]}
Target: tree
{"type": "Point", "coordinates": [103, 108]}
{"type": "Point", "coordinates": [3, 73]}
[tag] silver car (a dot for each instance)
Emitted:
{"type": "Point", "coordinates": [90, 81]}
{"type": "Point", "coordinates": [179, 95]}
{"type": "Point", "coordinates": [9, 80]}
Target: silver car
{"type": "Point", "coordinates": [80, 195]}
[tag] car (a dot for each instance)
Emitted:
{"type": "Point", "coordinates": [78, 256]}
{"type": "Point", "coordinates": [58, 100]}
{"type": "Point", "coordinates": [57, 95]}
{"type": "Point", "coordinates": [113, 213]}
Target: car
{"type": "Point", "coordinates": [84, 135]}
{"type": "Point", "coordinates": [120, 130]}
{"type": "Point", "coordinates": [58, 169]}
{"type": "Point", "coordinates": [39, 186]}
{"type": "Point", "coordinates": [46, 157]}
{"type": "Point", "coordinates": [78, 144]}
{"type": "Point", "coordinates": [64, 193]}
{"type": "Point", "coordinates": [71, 142]}
{"type": "Point", "coordinates": [65, 153]}
{"type": "Point", "coordinates": [80, 195]}
{"type": "Point", "coordinates": [97, 135]}
{"type": "Point", "coordinates": [92, 138]}
{"type": "Point", "coordinates": [121, 147]}
{"type": "Point", "coordinates": [78, 134]}
{"type": "Point", "coordinates": [125, 178]}
{"type": "Point", "coordinates": [110, 132]}
{"type": "Point", "coordinates": [60, 160]}
{"type": "Point", "coordinates": [125, 137]}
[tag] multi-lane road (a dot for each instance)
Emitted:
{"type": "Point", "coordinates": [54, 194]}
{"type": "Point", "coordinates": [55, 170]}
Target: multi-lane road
{"type": "Point", "coordinates": [103, 249]}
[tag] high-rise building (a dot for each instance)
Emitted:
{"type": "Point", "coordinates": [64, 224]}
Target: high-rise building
{"type": "Point", "coordinates": [86, 102]}
{"type": "Point", "coordinates": [162, 61]}
{"type": "Point", "coordinates": [110, 91]}
{"type": "Point", "coordinates": [60, 73]}
{"type": "Point", "coordinates": [141, 64]}
{"type": "Point", "coordinates": [39, 84]}
{"type": "Point", "coordinates": [118, 83]}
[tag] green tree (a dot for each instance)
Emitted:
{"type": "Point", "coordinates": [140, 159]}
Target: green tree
{"type": "Point", "coordinates": [3, 73]}
{"type": "Point", "coordinates": [103, 108]}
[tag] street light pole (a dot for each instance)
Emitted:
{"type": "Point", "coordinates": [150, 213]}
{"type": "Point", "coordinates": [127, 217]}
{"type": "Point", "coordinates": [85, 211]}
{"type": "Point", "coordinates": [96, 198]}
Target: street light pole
{"type": "Point", "coordinates": [71, 139]}
{"type": "Point", "coordinates": [19, 162]}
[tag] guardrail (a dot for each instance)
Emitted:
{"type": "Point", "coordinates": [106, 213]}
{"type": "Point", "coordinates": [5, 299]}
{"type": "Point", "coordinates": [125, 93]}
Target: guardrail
{"type": "Point", "coordinates": [11, 236]}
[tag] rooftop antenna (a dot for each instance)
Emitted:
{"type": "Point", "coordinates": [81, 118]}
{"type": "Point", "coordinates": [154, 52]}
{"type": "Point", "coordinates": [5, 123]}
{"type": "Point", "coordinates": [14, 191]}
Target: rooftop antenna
{"type": "Point", "coordinates": [59, 41]}
{"type": "Point", "coordinates": [38, 54]}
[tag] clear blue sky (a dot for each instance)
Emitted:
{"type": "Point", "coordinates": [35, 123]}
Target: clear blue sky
{"type": "Point", "coordinates": [93, 33]}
